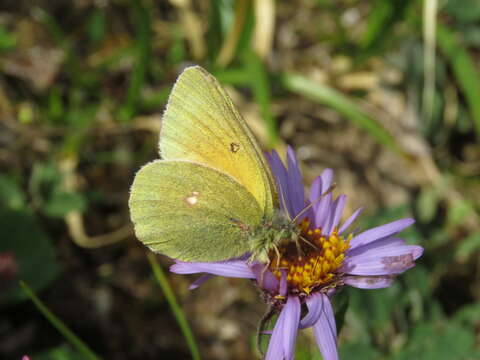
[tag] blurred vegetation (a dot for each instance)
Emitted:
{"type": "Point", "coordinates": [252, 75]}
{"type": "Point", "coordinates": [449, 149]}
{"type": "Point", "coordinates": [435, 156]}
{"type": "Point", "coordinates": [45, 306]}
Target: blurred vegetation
{"type": "Point", "coordinates": [387, 93]}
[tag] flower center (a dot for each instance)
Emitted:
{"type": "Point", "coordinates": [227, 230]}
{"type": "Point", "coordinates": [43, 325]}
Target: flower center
{"type": "Point", "coordinates": [312, 260]}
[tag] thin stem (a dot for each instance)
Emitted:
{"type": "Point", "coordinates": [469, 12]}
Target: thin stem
{"type": "Point", "coordinates": [176, 309]}
{"type": "Point", "coordinates": [81, 347]}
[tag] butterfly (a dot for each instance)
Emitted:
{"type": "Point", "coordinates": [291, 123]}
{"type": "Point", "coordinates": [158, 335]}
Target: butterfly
{"type": "Point", "coordinates": [212, 196]}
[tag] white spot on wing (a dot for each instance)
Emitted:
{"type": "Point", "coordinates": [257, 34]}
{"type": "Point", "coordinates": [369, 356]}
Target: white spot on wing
{"type": "Point", "coordinates": [193, 198]}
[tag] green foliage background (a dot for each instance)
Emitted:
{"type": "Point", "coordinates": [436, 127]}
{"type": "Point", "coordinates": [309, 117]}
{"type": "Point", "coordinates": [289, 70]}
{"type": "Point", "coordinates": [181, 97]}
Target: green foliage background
{"type": "Point", "coordinates": [387, 93]}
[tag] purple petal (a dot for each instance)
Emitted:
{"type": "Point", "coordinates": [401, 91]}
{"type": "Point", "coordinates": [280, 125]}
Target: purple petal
{"type": "Point", "coordinates": [315, 191]}
{"type": "Point", "coordinates": [369, 282]}
{"type": "Point", "coordinates": [325, 331]}
{"type": "Point", "coordinates": [283, 283]}
{"type": "Point", "coordinates": [371, 249]}
{"type": "Point", "coordinates": [282, 342]}
{"type": "Point", "coordinates": [319, 186]}
{"type": "Point", "coordinates": [233, 268]}
{"type": "Point", "coordinates": [327, 178]}
{"type": "Point", "coordinates": [380, 232]}
{"type": "Point", "coordinates": [265, 278]}
{"type": "Point", "coordinates": [280, 173]}
{"type": "Point", "coordinates": [200, 281]}
{"type": "Point", "coordinates": [295, 194]}
{"type": "Point", "coordinates": [323, 210]}
{"type": "Point", "coordinates": [384, 257]}
{"type": "Point", "coordinates": [342, 199]}
{"type": "Point", "coordinates": [350, 220]}
{"type": "Point", "coordinates": [335, 214]}
{"type": "Point", "coordinates": [315, 306]}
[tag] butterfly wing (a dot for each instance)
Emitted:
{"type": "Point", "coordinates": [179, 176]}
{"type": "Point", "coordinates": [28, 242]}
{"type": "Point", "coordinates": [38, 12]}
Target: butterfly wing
{"type": "Point", "coordinates": [192, 212]}
{"type": "Point", "coordinates": [201, 124]}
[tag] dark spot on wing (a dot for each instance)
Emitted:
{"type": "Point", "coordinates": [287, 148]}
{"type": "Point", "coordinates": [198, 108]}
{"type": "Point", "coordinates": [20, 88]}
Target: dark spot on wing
{"type": "Point", "coordinates": [234, 147]}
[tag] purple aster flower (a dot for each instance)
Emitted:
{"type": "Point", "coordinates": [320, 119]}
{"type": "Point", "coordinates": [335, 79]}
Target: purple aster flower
{"type": "Point", "coordinates": [307, 273]}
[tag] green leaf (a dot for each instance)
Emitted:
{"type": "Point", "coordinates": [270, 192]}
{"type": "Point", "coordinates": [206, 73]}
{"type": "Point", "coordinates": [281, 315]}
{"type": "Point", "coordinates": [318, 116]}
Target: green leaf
{"type": "Point", "coordinates": [469, 314]}
{"type": "Point", "coordinates": [220, 20]}
{"type": "Point", "coordinates": [233, 76]}
{"type": "Point", "coordinates": [32, 249]}
{"type": "Point", "coordinates": [468, 11]}
{"type": "Point", "coordinates": [427, 204]}
{"type": "Point", "coordinates": [459, 211]}
{"type": "Point", "coordinates": [375, 308]}
{"type": "Point", "coordinates": [7, 40]}
{"type": "Point", "coordinates": [467, 247]}
{"type": "Point", "coordinates": [464, 69]}
{"type": "Point", "coordinates": [445, 341]}
{"type": "Point", "coordinates": [382, 18]}
{"type": "Point", "coordinates": [11, 195]}
{"type": "Point", "coordinates": [48, 193]}
{"type": "Point", "coordinates": [358, 351]}
{"type": "Point", "coordinates": [96, 25]}
{"type": "Point", "coordinates": [61, 203]}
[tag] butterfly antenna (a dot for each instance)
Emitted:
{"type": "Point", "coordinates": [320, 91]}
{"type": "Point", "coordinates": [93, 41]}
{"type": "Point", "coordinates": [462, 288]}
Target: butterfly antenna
{"type": "Point", "coordinates": [284, 203]}
{"type": "Point", "coordinates": [308, 242]}
{"type": "Point", "coordinates": [306, 208]}
{"type": "Point", "coordinates": [299, 248]}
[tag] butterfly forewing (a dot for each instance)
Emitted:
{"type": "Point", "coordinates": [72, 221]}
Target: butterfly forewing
{"type": "Point", "coordinates": [201, 124]}
{"type": "Point", "coordinates": [192, 212]}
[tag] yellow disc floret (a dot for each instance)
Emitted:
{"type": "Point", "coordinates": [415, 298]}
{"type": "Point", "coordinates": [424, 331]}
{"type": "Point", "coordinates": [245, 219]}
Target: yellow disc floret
{"type": "Point", "coordinates": [311, 261]}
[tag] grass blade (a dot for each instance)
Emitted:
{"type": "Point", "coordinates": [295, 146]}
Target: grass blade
{"type": "Point", "coordinates": [429, 30]}
{"type": "Point", "coordinates": [81, 347]}
{"type": "Point", "coordinates": [142, 53]}
{"type": "Point", "coordinates": [463, 67]}
{"type": "Point", "coordinates": [260, 85]}
{"type": "Point", "coordinates": [176, 309]}
{"type": "Point", "coordinates": [264, 27]}
{"type": "Point", "coordinates": [330, 97]}
{"type": "Point", "coordinates": [230, 44]}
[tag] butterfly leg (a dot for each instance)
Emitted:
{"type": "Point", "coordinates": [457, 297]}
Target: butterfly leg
{"type": "Point", "coordinates": [277, 252]}
{"type": "Point", "coordinates": [269, 262]}
{"type": "Point", "coordinates": [309, 243]}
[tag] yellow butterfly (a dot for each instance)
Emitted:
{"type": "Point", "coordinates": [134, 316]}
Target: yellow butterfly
{"type": "Point", "coordinates": [212, 196]}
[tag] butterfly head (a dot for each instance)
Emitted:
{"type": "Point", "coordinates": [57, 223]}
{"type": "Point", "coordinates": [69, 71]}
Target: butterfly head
{"type": "Point", "coordinates": [270, 236]}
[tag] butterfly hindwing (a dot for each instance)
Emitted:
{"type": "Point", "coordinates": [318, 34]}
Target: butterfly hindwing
{"type": "Point", "coordinates": [192, 212]}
